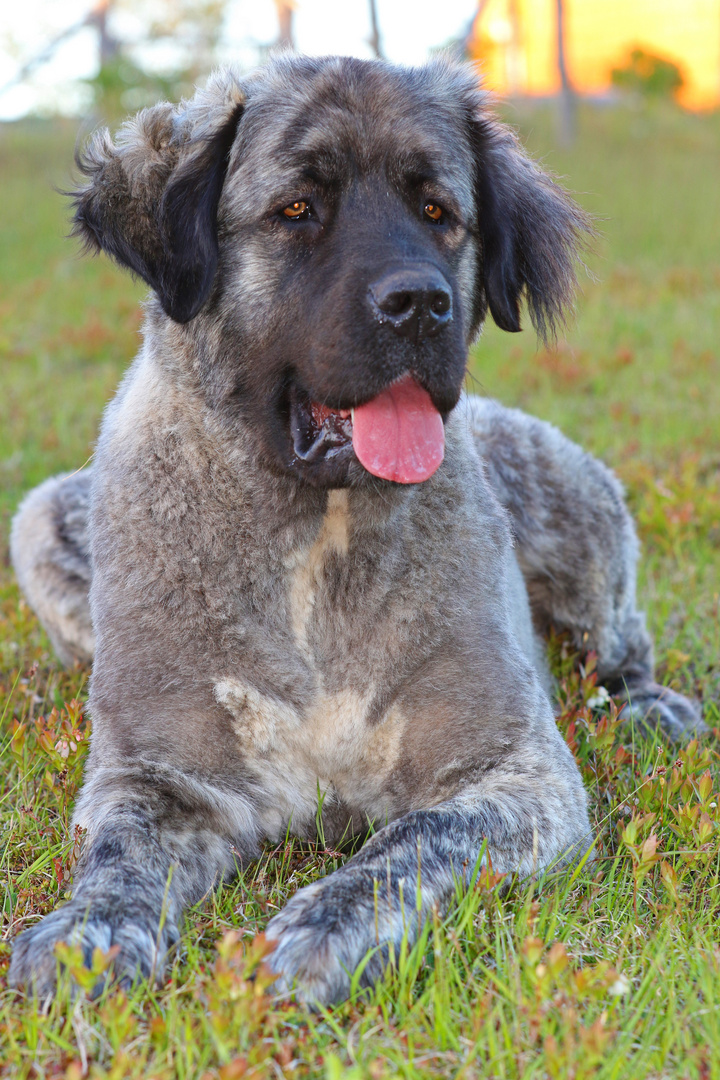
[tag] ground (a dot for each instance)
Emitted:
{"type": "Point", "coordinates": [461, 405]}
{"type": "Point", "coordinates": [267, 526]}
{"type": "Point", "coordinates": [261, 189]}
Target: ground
{"type": "Point", "coordinates": [612, 971]}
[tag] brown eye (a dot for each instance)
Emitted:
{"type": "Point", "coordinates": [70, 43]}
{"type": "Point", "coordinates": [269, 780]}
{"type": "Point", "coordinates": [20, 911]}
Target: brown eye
{"type": "Point", "coordinates": [295, 210]}
{"type": "Point", "coordinates": [433, 211]}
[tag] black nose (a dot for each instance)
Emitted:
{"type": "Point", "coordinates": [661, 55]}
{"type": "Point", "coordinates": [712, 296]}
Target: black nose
{"type": "Point", "coordinates": [416, 301]}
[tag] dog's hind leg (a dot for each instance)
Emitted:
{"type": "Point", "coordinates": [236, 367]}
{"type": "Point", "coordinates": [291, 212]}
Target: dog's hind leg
{"type": "Point", "coordinates": [49, 550]}
{"type": "Point", "coordinates": [577, 548]}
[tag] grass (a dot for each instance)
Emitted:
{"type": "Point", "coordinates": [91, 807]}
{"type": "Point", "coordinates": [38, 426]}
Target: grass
{"type": "Point", "coordinates": [611, 972]}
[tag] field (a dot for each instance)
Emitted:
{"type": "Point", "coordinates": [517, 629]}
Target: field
{"type": "Point", "coordinates": [613, 971]}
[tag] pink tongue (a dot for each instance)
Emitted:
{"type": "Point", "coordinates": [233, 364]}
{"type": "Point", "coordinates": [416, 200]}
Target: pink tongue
{"type": "Point", "coordinates": [399, 435]}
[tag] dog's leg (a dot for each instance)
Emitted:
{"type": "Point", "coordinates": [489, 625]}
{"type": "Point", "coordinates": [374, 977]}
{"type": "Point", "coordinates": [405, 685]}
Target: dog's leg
{"type": "Point", "coordinates": [577, 548]}
{"type": "Point", "coordinates": [157, 840]}
{"type": "Point", "coordinates": [49, 550]}
{"type": "Point", "coordinates": [388, 889]}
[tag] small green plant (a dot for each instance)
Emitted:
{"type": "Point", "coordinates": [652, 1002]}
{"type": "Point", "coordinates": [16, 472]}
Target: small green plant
{"type": "Point", "coordinates": [649, 75]}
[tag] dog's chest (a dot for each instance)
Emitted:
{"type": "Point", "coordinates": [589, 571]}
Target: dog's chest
{"type": "Point", "coordinates": [329, 750]}
{"type": "Point", "coordinates": [333, 738]}
{"type": "Point", "coordinates": [309, 568]}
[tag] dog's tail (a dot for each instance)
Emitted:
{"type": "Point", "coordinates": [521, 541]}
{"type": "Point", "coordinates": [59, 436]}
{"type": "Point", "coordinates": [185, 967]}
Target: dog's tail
{"type": "Point", "coordinates": [49, 550]}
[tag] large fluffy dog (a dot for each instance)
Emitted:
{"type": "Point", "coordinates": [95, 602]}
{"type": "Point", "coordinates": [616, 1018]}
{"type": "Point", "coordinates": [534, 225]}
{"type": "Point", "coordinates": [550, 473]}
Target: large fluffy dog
{"type": "Point", "coordinates": [309, 567]}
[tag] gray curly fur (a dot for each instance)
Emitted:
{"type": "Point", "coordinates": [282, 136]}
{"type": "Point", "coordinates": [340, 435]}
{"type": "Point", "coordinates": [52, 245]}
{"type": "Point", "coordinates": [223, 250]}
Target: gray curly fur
{"type": "Point", "coordinates": [261, 625]}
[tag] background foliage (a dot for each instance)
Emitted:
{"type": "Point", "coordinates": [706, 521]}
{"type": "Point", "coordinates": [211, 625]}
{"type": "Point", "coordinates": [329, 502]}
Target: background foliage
{"type": "Point", "coordinates": [649, 75]}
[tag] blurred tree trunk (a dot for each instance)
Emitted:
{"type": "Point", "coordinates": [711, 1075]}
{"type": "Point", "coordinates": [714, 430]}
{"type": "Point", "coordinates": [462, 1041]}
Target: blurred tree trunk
{"type": "Point", "coordinates": [375, 40]}
{"type": "Point", "coordinates": [285, 10]}
{"type": "Point", "coordinates": [567, 102]}
{"type": "Point", "coordinates": [109, 46]}
{"type": "Point", "coordinates": [513, 55]}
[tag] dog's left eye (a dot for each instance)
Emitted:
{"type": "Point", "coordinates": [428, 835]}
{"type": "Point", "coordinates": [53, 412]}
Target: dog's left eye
{"type": "Point", "coordinates": [297, 211]}
{"type": "Point", "coordinates": [433, 211]}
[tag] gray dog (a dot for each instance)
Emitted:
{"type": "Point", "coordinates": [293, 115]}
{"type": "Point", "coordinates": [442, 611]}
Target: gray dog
{"type": "Point", "coordinates": [312, 564]}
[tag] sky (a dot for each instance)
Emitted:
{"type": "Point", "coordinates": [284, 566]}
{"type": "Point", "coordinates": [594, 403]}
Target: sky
{"type": "Point", "coordinates": [409, 30]}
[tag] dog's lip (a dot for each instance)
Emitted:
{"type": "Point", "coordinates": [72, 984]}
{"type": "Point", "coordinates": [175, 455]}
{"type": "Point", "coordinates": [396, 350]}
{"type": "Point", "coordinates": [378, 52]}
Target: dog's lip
{"type": "Point", "coordinates": [317, 431]}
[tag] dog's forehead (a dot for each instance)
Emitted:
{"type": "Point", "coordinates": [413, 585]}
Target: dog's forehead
{"type": "Point", "coordinates": [361, 115]}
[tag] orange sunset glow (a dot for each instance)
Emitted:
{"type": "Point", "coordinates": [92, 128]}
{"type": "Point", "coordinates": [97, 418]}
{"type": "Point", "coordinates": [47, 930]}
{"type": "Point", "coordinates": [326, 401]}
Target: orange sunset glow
{"type": "Point", "coordinates": [515, 41]}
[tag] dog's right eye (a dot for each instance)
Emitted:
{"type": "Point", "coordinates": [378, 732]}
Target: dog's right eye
{"type": "Point", "coordinates": [297, 211]}
{"type": "Point", "coordinates": [434, 212]}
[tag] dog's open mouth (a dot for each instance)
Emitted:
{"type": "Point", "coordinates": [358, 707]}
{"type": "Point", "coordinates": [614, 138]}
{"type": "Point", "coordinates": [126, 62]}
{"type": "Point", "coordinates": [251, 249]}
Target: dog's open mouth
{"type": "Point", "coordinates": [398, 435]}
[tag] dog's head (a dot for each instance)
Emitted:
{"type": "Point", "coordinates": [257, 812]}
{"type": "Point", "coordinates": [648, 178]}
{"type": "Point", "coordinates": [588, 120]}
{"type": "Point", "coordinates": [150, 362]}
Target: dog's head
{"type": "Point", "coordinates": [329, 235]}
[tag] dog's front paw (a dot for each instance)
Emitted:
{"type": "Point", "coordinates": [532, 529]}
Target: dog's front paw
{"type": "Point", "coordinates": [140, 952]}
{"type": "Point", "coordinates": [323, 934]}
{"type": "Point", "coordinates": [653, 706]}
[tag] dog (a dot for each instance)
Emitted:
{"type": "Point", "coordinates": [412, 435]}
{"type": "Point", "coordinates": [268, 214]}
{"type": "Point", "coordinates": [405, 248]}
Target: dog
{"type": "Point", "coordinates": [312, 563]}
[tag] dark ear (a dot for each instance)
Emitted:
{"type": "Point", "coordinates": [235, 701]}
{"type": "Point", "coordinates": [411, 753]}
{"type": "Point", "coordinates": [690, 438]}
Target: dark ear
{"type": "Point", "coordinates": [530, 232]}
{"type": "Point", "coordinates": [152, 196]}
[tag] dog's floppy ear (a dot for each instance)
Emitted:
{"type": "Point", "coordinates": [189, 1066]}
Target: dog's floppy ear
{"type": "Point", "coordinates": [151, 197]}
{"type": "Point", "coordinates": [530, 232]}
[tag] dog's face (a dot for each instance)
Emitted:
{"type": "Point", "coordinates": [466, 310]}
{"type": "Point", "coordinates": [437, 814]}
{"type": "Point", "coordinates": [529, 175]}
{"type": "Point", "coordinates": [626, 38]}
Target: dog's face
{"type": "Point", "coordinates": [330, 233]}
